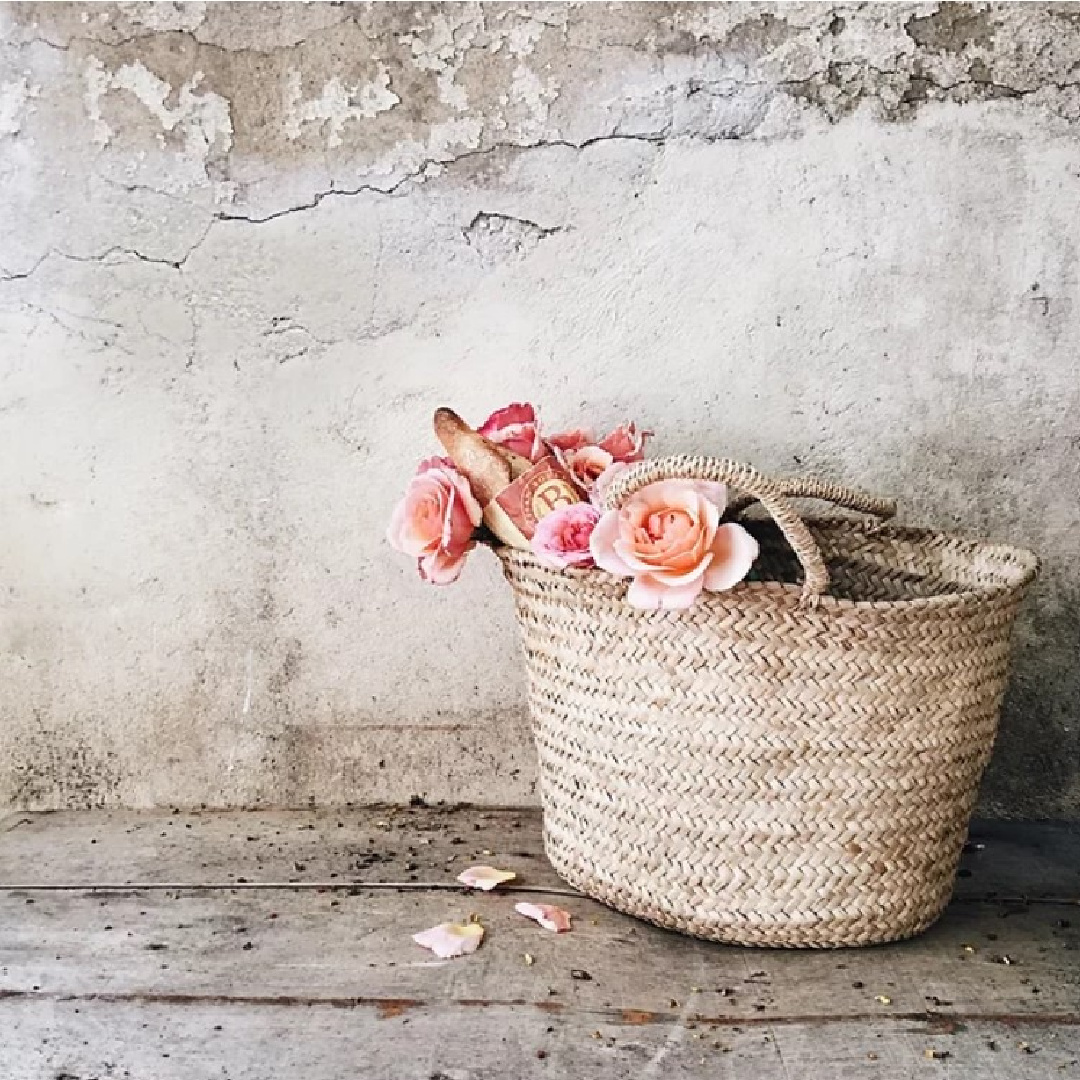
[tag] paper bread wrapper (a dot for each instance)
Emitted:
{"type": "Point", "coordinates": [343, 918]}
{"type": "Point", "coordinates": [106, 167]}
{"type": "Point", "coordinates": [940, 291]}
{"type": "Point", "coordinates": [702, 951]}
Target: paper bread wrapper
{"type": "Point", "coordinates": [514, 512]}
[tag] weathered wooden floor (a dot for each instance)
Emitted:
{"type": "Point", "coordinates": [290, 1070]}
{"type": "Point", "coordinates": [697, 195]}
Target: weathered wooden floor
{"type": "Point", "coordinates": [239, 982]}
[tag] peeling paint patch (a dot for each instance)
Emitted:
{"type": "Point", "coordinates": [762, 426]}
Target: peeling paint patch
{"type": "Point", "coordinates": [98, 81]}
{"type": "Point", "coordinates": [522, 37]}
{"type": "Point", "coordinates": [14, 97]}
{"type": "Point", "coordinates": [160, 17]}
{"type": "Point", "coordinates": [443, 51]}
{"type": "Point", "coordinates": [203, 119]}
{"type": "Point", "coordinates": [337, 105]}
{"type": "Point", "coordinates": [528, 90]}
{"type": "Point", "coordinates": [952, 28]}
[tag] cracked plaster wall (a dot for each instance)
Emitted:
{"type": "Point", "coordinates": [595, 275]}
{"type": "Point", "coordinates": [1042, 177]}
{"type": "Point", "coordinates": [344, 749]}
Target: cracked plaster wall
{"type": "Point", "coordinates": [246, 249]}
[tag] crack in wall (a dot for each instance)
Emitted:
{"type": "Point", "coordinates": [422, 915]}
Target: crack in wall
{"type": "Point", "coordinates": [316, 200]}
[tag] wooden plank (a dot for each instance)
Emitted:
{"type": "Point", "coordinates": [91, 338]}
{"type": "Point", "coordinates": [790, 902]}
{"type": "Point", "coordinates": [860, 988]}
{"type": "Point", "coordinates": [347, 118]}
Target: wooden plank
{"type": "Point", "coordinates": [388, 844]}
{"type": "Point", "coordinates": [401, 843]}
{"type": "Point", "coordinates": [334, 947]}
{"type": "Point", "coordinates": [169, 1041]}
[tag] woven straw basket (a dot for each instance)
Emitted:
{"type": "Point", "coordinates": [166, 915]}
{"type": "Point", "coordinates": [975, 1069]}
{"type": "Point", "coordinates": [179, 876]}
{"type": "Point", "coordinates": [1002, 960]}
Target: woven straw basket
{"type": "Point", "coordinates": [784, 764]}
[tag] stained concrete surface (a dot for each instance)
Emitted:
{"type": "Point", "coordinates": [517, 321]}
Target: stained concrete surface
{"type": "Point", "coordinates": [245, 250]}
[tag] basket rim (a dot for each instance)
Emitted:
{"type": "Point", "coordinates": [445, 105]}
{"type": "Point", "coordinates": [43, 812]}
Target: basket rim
{"type": "Point", "coordinates": [1027, 568]}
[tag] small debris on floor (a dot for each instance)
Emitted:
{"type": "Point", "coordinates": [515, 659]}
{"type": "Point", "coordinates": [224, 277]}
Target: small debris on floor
{"type": "Point", "coordinates": [883, 999]}
{"type": "Point", "coordinates": [529, 960]}
{"type": "Point", "coordinates": [936, 1055]}
{"type": "Point", "coordinates": [580, 974]}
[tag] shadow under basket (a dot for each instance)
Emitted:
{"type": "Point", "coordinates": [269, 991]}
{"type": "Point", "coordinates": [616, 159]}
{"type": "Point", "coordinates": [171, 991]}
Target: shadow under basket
{"type": "Point", "coordinates": [762, 770]}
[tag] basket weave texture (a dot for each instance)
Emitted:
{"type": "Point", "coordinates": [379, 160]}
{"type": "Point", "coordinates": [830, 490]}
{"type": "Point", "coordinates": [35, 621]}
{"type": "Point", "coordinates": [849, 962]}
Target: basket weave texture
{"type": "Point", "coordinates": [779, 765]}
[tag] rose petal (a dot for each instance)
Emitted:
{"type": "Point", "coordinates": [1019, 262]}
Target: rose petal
{"type": "Point", "coordinates": [569, 440]}
{"type": "Point", "coordinates": [734, 551]}
{"type": "Point", "coordinates": [625, 443]}
{"type": "Point", "coordinates": [651, 595]}
{"type": "Point", "coordinates": [443, 568]}
{"type": "Point", "coordinates": [714, 491]}
{"type": "Point", "coordinates": [451, 939]}
{"type": "Point", "coordinates": [484, 878]}
{"type": "Point", "coordinates": [604, 480]}
{"type": "Point", "coordinates": [670, 493]}
{"type": "Point", "coordinates": [676, 578]}
{"type": "Point", "coordinates": [547, 915]}
{"type": "Point", "coordinates": [518, 413]}
{"type": "Point", "coordinates": [602, 545]}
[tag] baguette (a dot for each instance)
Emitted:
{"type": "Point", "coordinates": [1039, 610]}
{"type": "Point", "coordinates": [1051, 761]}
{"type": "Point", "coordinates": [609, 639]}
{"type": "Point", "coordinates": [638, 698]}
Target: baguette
{"type": "Point", "coordinates": [488, 468]}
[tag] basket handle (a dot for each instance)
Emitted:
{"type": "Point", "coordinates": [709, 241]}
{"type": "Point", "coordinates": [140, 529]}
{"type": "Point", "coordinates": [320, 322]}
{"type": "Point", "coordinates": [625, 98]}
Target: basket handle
{"type": "Point", "coordinates": [806, 487]}
{"type": "Point", "coordinates": [771, 493]}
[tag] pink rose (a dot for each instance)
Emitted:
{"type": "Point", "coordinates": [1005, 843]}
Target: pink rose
{"type": "Point", "coordinates": [435, 520]}
{"type": "Point", "coordinates": [587, 464]}
{"type": "Point", "coordinates": [669, 539]}
{"type": "Point", "coordinates": [562, 537]}
{"type": "Point", "coordinates": [625, 443]}
{"type": "Point", "coordinates": [587, 460]}
{"type": "Point", "coordinates": [569, 440]}
{"type": "Point", "coordinates": [516, 428]}
{"type": "Point", "coordinates": [603, 481]}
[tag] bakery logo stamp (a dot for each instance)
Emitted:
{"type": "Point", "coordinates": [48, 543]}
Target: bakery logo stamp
{"type": "Point", "coordinates": [546, 487]}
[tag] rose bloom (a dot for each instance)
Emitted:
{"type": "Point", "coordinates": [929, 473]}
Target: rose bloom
{"type": "Point", "coordinates": [435, 520]}
{"type": "Point", "coordinates": [516, 428]}
{"type": "Point", "coordinates": [669, 539]}
{"type": "Point", "coordinates": [625, 443]}
{"type": "Point", "coordinates": [562, 537]}
{"type": "Point", "coordinates": [587, 461]}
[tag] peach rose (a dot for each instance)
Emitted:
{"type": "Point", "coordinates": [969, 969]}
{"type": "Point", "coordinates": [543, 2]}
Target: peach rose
{"type": "Point", "coordinates": [669, 539]}
{"type": "Point", "coordinates": [516, 428]}
{"type": "Point", "coordinates": [562, 537]}
{"type": "Point", "coordinates": [435, 520]}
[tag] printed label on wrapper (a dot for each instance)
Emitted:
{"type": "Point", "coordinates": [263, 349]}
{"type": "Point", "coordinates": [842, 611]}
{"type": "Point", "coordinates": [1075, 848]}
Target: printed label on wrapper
{"type": "Point", "coordinates": [514, 512]}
